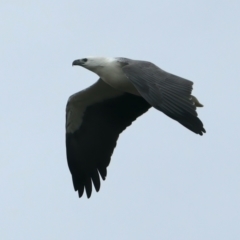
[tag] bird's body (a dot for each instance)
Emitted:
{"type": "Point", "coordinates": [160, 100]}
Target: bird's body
{"type": "Point", "coordinates": [97, 115]}
{"type": "Point", "coordinates": [110, 71]}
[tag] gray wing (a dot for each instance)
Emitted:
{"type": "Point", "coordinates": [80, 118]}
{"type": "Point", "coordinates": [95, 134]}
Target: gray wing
{"type": "Point", "coordinates": [94, 119]}
{"type": "Point", "coordinates": [166, 92]}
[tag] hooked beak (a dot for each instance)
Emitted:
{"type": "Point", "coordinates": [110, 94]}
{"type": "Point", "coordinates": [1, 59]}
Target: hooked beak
{"type": "Point", "coordinates": [78, 62]}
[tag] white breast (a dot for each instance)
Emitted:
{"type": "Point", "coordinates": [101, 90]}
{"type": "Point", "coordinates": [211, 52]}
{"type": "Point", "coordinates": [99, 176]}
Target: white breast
{"type": "Point", "coordinates": [112, 74]}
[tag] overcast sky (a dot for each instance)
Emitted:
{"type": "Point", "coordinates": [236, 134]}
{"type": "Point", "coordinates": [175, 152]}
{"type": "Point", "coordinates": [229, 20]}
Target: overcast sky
{"type": "Point", "coordinates": [164, 182]}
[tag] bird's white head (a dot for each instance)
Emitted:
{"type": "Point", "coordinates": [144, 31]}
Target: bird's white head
{"type": "Point", "coordinates": [94, 64]}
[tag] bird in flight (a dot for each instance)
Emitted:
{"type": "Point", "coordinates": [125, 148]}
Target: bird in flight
{"type": "Point", "coordinates": [124, 91]}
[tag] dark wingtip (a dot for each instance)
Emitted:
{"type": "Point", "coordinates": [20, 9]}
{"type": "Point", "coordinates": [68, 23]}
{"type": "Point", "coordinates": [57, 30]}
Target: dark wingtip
{"type": "Point", "coordinates": [191, 122]}
{"type": "Point", "coordinates": [103, 172]}
{"type": "Point", "coordinates": [81, 184]}
{"type": "Point", "coordinates": [88, 187]}
{"type": "Point", "coordinates": [201, 130]}
{"type": "Point", "coordinates": [80, 190]}
{"type": "Point", "coordinates": [80, 193]}
{"type": "Point", "coordinates": [96, 180]}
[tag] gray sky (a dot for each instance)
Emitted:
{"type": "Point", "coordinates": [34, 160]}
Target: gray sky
{"type": "Point", "coordinates": [164, 182]}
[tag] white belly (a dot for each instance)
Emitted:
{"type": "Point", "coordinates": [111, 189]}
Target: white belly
{"type": "Point", "coordinates": [114, 76]}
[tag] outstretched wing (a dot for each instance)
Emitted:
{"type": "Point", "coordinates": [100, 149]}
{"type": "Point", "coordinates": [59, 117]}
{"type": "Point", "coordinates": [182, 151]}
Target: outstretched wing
{"type": "Point", "coordinates": [94, 119]}
{"type": "Point", "coordinates": [166, 92]}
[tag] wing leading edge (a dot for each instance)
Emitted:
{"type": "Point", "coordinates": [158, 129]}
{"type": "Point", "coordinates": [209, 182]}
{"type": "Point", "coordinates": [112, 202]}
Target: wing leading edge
{"type": "Point", "coordinates": [90, 147]}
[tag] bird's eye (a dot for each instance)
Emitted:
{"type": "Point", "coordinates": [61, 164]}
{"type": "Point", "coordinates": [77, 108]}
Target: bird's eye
{"type": "Point", "coordinates": [84, 59]}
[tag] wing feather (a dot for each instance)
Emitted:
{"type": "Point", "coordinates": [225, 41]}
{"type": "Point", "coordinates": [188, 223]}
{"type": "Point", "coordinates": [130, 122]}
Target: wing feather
{"type": "Point", "coordinates": [93, 132]}
{"type": "Point", "coordinates": [166, 92]}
